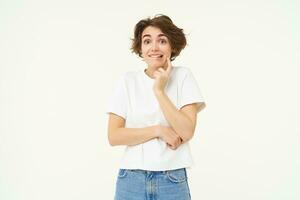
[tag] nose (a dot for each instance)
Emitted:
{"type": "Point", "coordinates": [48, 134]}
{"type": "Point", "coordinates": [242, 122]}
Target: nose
{"type": "Point", "coordinates": [154, 46]}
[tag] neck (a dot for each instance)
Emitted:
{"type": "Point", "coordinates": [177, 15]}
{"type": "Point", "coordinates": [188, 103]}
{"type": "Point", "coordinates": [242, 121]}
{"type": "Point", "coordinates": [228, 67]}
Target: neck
{"type": "Point", "coordinates": [150, 70]}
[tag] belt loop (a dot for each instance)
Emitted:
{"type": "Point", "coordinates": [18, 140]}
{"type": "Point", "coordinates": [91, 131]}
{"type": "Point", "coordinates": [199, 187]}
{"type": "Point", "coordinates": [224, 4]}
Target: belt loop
{"type": "Point", "coordinates": [185, 173]}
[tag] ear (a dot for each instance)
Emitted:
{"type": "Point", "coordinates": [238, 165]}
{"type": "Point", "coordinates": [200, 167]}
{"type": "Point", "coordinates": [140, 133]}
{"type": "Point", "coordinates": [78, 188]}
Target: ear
{"type": "Point", "coordinates": [141, 56]}
{"type": "Point", "coordinates": [172, 54]}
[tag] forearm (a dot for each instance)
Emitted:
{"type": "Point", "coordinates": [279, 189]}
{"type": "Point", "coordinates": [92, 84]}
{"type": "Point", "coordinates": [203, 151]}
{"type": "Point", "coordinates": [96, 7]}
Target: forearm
{"type": "Point", "coordinates": [182, 125]}
{"type": "Point", "coordinates": [131, 136]}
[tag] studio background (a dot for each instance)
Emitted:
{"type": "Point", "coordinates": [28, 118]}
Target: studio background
{"type": "Point", "coordinates": [59, 61]}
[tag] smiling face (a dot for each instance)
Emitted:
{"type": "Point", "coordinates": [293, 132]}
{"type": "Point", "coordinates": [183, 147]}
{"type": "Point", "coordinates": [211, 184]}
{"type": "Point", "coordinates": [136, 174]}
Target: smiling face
{"type": "Point", "coordinates": [155, 47]}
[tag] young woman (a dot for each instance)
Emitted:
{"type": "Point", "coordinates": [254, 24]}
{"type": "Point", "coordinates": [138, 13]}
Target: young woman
{"type": "Point", "coordinates": [153, 112]}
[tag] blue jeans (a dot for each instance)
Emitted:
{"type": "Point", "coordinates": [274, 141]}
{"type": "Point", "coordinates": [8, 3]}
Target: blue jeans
{"type": "Point", "coordinates": [152, 185]}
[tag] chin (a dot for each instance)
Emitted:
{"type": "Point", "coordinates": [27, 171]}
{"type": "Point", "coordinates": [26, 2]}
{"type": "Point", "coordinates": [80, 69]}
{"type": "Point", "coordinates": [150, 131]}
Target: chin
{"type": "Point", "coordinates": [156, 65]}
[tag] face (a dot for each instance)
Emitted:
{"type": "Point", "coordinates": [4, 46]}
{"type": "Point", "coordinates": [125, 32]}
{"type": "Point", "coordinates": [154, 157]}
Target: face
{"type": "Point", "coordinates": [155, 47]}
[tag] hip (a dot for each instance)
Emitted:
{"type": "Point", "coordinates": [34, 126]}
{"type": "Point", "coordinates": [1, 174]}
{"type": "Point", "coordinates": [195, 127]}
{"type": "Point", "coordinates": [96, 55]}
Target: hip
{"type": "Point", "coordinates": [135, 184]}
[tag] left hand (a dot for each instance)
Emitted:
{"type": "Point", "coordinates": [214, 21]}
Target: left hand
{"type": "Point", "coordinates": [161, 77]}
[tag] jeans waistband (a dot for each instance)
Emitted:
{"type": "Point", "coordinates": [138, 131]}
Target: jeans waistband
{"type": "Point", "coordinates": [152, 172]}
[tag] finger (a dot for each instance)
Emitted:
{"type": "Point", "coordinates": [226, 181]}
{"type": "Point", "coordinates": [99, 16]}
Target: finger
{"type": "Point", "coordinates": [169, 68]}
{"type": "Point", "coordinates": [161, 70]}
{"type": "Point", "coordinates": [178, 142]}
{"type": "Point", "coordinates": [155, 76]}
{"type": "Point", "coordinates": [156, 73]}
{"type": "Point", "coordinates": [170, 146]}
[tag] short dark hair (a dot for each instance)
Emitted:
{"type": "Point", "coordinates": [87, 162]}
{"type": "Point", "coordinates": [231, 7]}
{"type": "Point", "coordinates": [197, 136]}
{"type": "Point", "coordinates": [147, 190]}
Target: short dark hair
{"type": "Point", "coordinates": [164, 23]}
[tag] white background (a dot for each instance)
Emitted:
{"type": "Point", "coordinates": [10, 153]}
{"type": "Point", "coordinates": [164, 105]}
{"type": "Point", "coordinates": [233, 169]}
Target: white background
{"type": "Point", "coordinates": [59, 61]}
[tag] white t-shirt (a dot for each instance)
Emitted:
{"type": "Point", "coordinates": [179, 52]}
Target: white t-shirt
{"type": "Point", "coordinates": [134, 100]}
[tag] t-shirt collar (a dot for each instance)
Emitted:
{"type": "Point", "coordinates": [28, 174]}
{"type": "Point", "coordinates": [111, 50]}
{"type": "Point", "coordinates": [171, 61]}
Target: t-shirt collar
{"type": "Point", "coordinates": [146, 77]}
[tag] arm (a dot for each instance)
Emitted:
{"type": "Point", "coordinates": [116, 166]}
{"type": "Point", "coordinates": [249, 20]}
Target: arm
{"type": "Point", "coordinates": [183, 121]}
{"type": "Point", "coordinates": [118, 135]}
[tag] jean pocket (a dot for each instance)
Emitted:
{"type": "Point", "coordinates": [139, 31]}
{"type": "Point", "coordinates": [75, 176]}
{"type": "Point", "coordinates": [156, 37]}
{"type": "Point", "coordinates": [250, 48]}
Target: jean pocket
{"type": "Point", "coordinates": [122, 173]}
{"type": "Point", "coordinates": [177, 175]}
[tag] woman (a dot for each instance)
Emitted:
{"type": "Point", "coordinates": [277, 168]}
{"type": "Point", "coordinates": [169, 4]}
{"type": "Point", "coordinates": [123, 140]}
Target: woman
{"type": "Point", "coordinates": [154, 112]}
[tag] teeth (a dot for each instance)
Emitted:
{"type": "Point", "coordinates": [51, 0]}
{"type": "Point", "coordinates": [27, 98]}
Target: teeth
{"type": "Point", "coordinates": [156, 56]}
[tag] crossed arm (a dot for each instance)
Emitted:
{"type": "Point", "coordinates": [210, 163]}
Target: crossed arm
{"type": "Point", "coordinates": [182, 121]}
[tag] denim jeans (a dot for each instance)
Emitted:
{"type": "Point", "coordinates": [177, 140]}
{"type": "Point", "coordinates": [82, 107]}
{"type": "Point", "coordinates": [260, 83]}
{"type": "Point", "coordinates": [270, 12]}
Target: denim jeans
{"type": "Point", "coordinates": [152, 185]}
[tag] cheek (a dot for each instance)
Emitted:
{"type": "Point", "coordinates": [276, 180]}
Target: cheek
{"type": "Point", "coordinates": [167, 49]}
{"type": "Point", "coordinates": [144, 50]}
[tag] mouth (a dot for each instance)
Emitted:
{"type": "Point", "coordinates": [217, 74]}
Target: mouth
{"type": "Point", "coordinates": [156, 56]}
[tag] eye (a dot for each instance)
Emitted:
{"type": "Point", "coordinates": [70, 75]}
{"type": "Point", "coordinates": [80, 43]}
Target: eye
{"type": "Point", "coordinates": [163, 41]}
{"type": "Point", "coordinates": [146, 41]}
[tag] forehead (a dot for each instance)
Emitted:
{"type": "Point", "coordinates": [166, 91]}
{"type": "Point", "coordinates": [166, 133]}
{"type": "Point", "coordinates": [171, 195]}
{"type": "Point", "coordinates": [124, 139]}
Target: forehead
{"type": "Point", "coordinates": [152, 31]}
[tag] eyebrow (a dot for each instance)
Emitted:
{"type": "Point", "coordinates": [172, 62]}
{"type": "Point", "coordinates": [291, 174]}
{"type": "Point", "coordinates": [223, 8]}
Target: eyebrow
{"type": "Point", "coordinates": [159, 35]}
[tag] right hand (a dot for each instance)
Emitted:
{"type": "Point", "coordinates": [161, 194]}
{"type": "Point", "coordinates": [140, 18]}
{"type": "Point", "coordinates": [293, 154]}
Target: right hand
{"type": "Point", "coordinates": [168, 134]}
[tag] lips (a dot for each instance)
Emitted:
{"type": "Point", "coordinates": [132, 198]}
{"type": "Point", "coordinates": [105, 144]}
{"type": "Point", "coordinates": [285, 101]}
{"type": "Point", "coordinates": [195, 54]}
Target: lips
{"type": "Point", "coordinates": [156, 56]}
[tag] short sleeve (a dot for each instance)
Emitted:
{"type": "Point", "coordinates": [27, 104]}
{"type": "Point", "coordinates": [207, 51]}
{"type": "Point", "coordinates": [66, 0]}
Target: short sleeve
{"type": "Point", "coordinates": [118, 100]}
{"type": "Point", "coordinates": [190, 91]}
